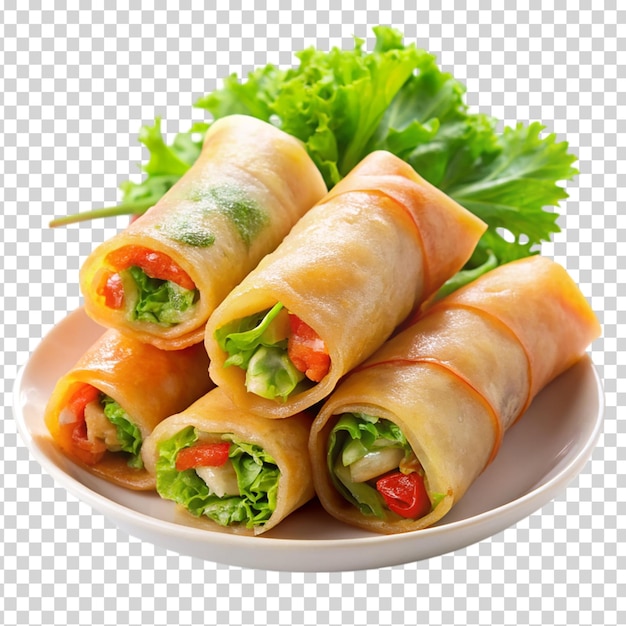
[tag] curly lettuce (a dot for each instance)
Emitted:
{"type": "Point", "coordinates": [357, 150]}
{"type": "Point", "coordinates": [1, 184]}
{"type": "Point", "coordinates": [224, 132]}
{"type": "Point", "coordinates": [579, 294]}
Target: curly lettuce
{"type": "Point", "coordinates": [155, 300]}
{"type": "Point", "coordinates": [257, 478]}
{"type": "Point", "coordinates": [128, 434]}
{"type": "Point", "coordinates": [344, 104]}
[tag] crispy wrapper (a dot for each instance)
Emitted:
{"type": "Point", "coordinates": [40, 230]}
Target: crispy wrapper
{"type": "Point", "coordinates": [148, 383]}
{"type": "Point", "coordinates": [459, 377]}
{"type": "Point", "coordinates": [353, 268]}
{"type": "Point", "coordinates": [284, 440]}
{"type": "Point", "coordinates": [249, 186]}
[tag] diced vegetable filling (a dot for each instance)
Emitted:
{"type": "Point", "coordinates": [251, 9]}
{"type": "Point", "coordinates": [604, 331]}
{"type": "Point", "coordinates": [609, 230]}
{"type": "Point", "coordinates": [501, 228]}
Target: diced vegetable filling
{"type": "Point", "coordinates": [280, 353]}
{"type": "Point", "coordinates": [373, 466]}
{"type": "Point", "coordinates": [218, 476]}
{"type": "Point", "coordinates": [93, 423]}
{"type": "Point", "coordinates": [149, 285]}
{"type": "Point", "coordinates": [306, 350]}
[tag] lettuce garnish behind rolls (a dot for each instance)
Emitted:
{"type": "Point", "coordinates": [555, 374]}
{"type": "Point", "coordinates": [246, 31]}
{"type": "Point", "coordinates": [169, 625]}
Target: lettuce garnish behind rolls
{"type": "Point", "coordinates": [345, 104]}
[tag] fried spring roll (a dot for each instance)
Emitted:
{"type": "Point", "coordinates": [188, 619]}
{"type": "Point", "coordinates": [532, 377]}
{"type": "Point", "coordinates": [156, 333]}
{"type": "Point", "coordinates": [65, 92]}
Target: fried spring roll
{"type": "Point", "coordinates": [349, 272]}
{"type": "Point", "coordinates": [405, 435]}
{"type": "Point", "coordinates": [230, 469]}
{"type": "Point", "coordinates": [161, 278]}
{"type": "Point", "coordinates": [103, 409]}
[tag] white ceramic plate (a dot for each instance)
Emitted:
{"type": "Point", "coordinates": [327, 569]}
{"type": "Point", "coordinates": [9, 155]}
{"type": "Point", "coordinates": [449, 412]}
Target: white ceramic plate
{"type": "Point", "coordinates": [541, 454]}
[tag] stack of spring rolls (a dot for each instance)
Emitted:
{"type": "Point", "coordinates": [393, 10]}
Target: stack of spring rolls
{"type": "Point", "coordinates": [154, 286]}
{"type": "Point", "coordinates": [252, 357]}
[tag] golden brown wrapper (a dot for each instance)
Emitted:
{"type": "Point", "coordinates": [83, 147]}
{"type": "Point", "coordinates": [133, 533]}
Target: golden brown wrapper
{"type": "Point", "coordinates": [459, 377]}
{"type": "Point", "coordinates": [249, 186]}
{"type": "Point", "coordinates": [284, 440]}
{"type": "Point", "coordinates": [148, 383]}
{"type": "Point", "coordinates": [352, 268]}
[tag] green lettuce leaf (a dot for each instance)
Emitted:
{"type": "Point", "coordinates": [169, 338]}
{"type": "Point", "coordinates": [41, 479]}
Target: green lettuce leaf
{"type": "Point", "coordinates": [241, 338]}
{"type": "Point", "coordinates": [334, 101]}
{"type": "Point", "coordinates": [257, 477]}
{"type": "Point", "coordinates": [253, 97]}
{"type": "Point", "coordinates": [128, 434]}
{"type": "Point", "coordinates": [175, 159]}
{"type": "Point", "coordinates": [258, 344]}
{"type": "Point", "coordinates": [511, 190]}
{"type": "Point", "coordinates": [428, 125]}
{"type": "Point", "coordinates": [465, 276]}
{"type": "Point", "coordinates": [365, 434]}
{"type": "Point", "coordinates": [155, 300]}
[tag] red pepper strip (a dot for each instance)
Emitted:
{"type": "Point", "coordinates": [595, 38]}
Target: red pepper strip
{"type": "Point", "coordinates": [405, 494]}
{"type": "Point", "coordinates": [202, 455]}
{"type": "Point", "coordinates": [112, 289]}
{"type": "Point", "coordinates": [306, 350]}
{"type": "Point", "coordinates": [79, 400]}
{"type": "Point", "coordinates": [154, 263]}
{"type": "Point", "coordinates": [74, 434]}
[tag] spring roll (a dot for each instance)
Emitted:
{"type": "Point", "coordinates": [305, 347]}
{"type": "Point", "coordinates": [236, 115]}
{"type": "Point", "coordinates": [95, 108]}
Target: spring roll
{"type": "Point", "coordinates": [349, 272]}
{"type": "Point", "coordinates": [232, 470]}
{"type": "Point", "coordinates": [161, 278]}
{"type": "Point", "coordinates": [404, 436]}
{"type": "Point", "coordinates": [103, 409]}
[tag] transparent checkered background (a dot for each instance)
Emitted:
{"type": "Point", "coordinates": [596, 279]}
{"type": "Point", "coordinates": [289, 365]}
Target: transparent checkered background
{"type": "Point", "coordinates": [75, 85]}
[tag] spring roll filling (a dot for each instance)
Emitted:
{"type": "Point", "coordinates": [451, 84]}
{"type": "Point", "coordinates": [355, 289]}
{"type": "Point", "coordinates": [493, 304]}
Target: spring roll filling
{"type": "Point", "coordinates": [235, 484]}
{"type": "Point", "coordinates": [281, 355]}
{"type": "Point", "coordinates": [149, 286]}
{"type": "Point", "coordinates": [96, 423]}
{"type": "Point", "coordinates": [155, 300]}
{"type": "Point", "coordinates": [372, 465]}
